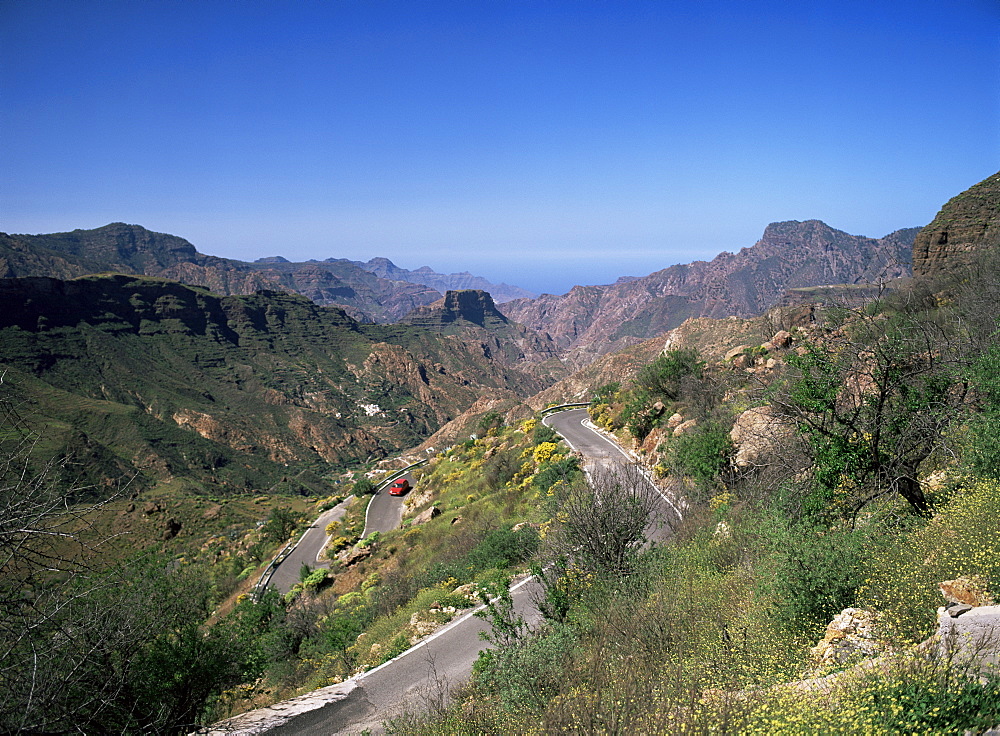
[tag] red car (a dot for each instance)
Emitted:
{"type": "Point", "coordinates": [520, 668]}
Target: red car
{"type": "Point", "coordinates": [400, 487]}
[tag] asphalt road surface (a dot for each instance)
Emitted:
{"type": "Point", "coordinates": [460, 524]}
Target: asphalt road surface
{"type": "Point", "coordinates": [414, 681]}
{"type": "Point", "coordinates": [424, 674]}
{"type": "Point", "coordinates": [306, 552]}
{"type": "Point", "coordinates": [385, 512]}
{"type": "Point", "coordinates": [597, 449]}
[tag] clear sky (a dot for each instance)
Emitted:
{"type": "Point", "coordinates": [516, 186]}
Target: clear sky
{"type": "Point", "coordinates": [539, 142]}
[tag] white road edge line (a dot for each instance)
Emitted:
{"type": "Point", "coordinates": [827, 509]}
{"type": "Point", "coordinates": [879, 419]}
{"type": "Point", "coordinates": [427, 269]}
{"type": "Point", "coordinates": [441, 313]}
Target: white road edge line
{"type": "Point", "coordinates": [450, 625]}
{"type": "Point", "coordinates": [586, 422]}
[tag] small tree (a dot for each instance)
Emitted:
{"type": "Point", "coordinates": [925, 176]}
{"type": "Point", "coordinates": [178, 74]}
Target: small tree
{"type": "Point", "coordinates": [662, 378]}
{"type": "Point", "coordinates": [363, 486]}
{"type": "Point", "coordinates": [873, 400]}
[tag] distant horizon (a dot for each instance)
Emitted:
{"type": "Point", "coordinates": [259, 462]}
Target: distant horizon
{"type": "Point", "coordinates": [439, 271]}
{"type": "Point", "coordinates": [541, 144]}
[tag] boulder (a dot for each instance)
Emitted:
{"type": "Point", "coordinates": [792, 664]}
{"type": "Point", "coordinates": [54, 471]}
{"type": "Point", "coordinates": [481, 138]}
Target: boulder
{"type": "Point", "coordinates": [782, 339]}
{"type": "Point", "coordinates": [685, 426]}
{"type": "Point", "coordinates": [170, 528]}
{"type": "Point", "coordinates": [973, 636]}
{"type": "Point", "coordinates": [426, 515]}
{"type": "Point", "coordinates": [353, 555]}
{"type": "Point", "coordinates": [851, 635]}
{"type": "Point", "coordinates": [756, 433]}
{"type": "Point", "coordinates": [968, 590]}
{"type": "Point", "coordinates": [738, 350]}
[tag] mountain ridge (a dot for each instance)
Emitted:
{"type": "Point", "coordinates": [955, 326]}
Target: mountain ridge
{"type": "Point", "coordinates": [590, 321]}
{"type": "Point", "coordinates": [132, 249]}
{"type": "Point", "coordinates": [179, 381]}
{"type": "Point", "coordinates": [461, 281]}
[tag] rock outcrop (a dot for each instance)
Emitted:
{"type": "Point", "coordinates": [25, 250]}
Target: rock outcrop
{"type": "Point", "coordinates": [472, 305]}
{"type": "Point", "coordinates": [472, 317]}
{"type": "Point", "coordinates": [850, 636]}
{"type": "Point", "coordinates": [966, 226]}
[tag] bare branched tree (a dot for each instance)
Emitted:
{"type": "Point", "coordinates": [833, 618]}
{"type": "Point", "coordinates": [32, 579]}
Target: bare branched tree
{"type": "Point", "coordinates": [46, 580]}
{"type": "Point", "coordinates": [599, 530]}
{"type": "Point", "coordinates": [602, 524]}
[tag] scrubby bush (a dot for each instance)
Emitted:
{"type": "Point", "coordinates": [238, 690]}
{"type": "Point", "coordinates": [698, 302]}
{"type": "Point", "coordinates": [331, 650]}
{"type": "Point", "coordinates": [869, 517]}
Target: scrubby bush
{"type": "Point", "coordinates": [363, 486]}
{"type": "Point", "coordinates": [662, 378]}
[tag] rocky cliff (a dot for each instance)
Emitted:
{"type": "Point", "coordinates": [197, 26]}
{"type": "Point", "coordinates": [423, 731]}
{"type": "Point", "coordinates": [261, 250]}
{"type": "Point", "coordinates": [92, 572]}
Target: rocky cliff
{"type": "Point", "coordinates": [593, 320]}
{"type": "Point", "coordinates": [967, 225]}
{"type": "Point", "coordinates": [471, 316]}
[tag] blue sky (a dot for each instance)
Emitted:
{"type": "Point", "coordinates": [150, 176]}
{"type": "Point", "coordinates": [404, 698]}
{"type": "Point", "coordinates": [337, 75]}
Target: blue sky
{"type": "Point", "coordinates": [542, 143]}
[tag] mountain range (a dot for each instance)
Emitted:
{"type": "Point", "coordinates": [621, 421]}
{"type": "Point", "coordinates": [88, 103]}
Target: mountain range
{"type": "Point", "coordinates": [444, 282]}
{"type": "Point", "coordinates": [594, 320]}
{"type": "Point", "coordinates": [151, 378]}
{"type": "Point", "coordinates": [227, 370]}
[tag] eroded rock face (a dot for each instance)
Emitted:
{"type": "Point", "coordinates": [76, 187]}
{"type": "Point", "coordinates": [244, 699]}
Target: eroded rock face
{"type": "Point", "coordinates": [967, 225]}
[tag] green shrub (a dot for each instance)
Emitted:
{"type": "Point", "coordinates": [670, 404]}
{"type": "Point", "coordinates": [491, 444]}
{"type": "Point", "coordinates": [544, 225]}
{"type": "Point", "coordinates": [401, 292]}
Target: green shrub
{"type": "Point", "coordinates": [912, 695]}
{"type": "Point", "coordinates": [315, 579]}
{"type": "Point", "coordinates": [814, 572]}
{"type": "Point", "coordinates": [504, 547]}
{"type": "Point", "coordinates": [702, 453]}
{"type": "Point", "coordinates": [544, 433]}
{"type": "Point", "coordinates": [363, 486]}
{"type": "Point", "coordinates": [662, 378]}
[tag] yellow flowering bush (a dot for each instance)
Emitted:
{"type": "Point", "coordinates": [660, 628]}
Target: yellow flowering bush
{"type": "Point", "coordinates": [962, 540]}
{"type": "Point", "coordinates": [543, 453]}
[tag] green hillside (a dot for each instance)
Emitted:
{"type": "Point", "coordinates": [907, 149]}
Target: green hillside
{"type": "Point", "coordinates": [152, 377]}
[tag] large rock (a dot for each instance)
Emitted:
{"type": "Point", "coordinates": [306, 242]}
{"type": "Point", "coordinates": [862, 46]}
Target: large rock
{"type": "Point", "coordinates": [756, 434]}
{"type": "Point", "coordinates": [970, 590]}
{"type": "Point", "coordinates": [973, 636]}
{"type": "Point", "coordinates": [851, 635]}
{"type": "Point", "coordinates": [426, 515]}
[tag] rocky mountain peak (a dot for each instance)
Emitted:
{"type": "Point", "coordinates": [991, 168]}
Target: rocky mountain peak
{"type": "Point", "coordinates": [469, 305]}
{"type": "Point", "coordinates": [133, 245]}
{"type": "Point", "coordinates": [593, 320]}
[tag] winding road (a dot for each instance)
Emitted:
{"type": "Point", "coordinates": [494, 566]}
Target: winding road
{"type": "Point", "coordinates": [384, 514]}
{"type": "Point", "coordinates": [421, 676]}
{"type": "Point", "coordinates": [306, 552]}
